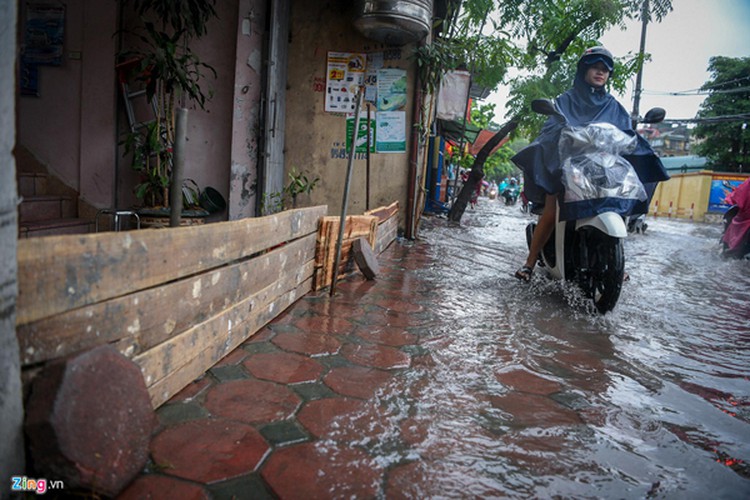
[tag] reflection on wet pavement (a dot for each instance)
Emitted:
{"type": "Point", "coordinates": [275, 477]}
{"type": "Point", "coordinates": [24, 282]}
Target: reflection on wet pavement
{"type": "Point", "coordinates": [446, 377]}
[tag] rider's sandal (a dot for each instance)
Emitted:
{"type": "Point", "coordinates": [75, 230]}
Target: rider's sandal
{"type": "Point", "coordinates": [524, 274]}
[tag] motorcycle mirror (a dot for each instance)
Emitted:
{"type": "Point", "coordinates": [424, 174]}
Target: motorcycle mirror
{"type": "Point", "coordinates": [544, 107]}
{"type": "Point", "coordinates": [654, 115]}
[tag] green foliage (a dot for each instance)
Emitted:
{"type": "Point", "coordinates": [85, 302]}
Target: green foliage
{"type": "Point", "coordinates": [299, 183]}
{"type": "Point", "coordinates": [542, 40]}
{"type": "Point", "coordinates": [727, 141]}
{"type": "Point", "coordinates": [190, 16]}
{"type": "Point", "coordinates": [498, 165]}
{"type": "Point", "coordinates": [151, 158]}
{"type": "Point", "coordinates": [164, 61]}
{"type": "Point", "coordinates": [169, 70]}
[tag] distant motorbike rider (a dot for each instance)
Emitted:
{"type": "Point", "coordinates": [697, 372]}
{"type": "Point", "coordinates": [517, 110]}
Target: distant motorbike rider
{"type": "Point", "coordinates": [587, 102]}
{"type": "Point", "coordinates": [511, 192]}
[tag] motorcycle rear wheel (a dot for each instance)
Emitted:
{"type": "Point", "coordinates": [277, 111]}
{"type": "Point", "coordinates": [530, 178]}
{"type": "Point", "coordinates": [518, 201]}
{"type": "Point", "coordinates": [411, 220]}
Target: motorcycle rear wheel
{"type": "Point", "coordinates": [605, 269]}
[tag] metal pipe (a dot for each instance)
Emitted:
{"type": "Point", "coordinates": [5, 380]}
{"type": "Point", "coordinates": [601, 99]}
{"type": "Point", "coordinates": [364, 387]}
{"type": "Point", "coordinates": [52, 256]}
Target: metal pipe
{"type": "Point", "coordinates": [367, 180]}
{"type": "Point", "coordinates": [178, 167]}
{"type": "Point", "coordinates": [344, 202]}
{"type": "Point", "coordinates": [411, 202]}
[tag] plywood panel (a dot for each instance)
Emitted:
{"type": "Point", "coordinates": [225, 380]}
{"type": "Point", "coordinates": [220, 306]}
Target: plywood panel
{"type": "Point", "coordinates": [60, 273]}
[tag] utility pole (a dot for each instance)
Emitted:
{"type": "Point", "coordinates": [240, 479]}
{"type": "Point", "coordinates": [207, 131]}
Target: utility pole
{"type": "Point", "coordinates": [645, 14]}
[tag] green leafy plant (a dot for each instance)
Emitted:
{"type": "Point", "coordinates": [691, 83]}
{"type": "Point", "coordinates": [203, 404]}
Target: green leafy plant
{"type": "Point", "coordinates": [299, 183]}
{"type": "Point", "coordinates": [151, 158]}
{"type": "Point", "coordinates": [169, 72]}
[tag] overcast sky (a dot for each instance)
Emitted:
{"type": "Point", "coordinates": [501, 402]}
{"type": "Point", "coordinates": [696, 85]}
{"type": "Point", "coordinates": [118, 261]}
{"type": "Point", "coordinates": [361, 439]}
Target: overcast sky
{"type": "Point", "coordinates": [680, 47]}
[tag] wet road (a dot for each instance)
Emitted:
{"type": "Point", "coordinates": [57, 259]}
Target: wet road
{"type": "Point", "coordinates": [528, 393]}
{"type": "Point", "coordinates": [447, 378]}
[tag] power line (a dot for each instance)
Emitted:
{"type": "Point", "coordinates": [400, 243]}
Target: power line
{"type": "Point", "coordinates": [718, 84]}
{"type": "Point", "coordinates": [711, 119]}
{"type": "Point", "coordinates": [696, 92]}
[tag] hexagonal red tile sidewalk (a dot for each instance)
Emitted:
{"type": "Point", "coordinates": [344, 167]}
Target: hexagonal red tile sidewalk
{"type": "Point", "coordinates": [208, 450]}
{"type": "Point", "coordinates": [313, 470]}
{"type": "Point", "coordinates": [325, 325]}
{"type": "Point", "coordinates": [394, 336]}
{"type": "Point", "coordinates": [311, 344]}
{"type": "Point", "coordinates": [376, 356]}
{"type": "Point", "coordinates": [324, 417]}
{"type": "Point", "coordinates": [356, 381]}
{"type": "Point", "coordinates": [524, 381]}
{"type": "Point", "coordinates": [156, 487]}
{"type": "Point", "coordinates": [284, 367]}
{"type": "Point", "coordinates": [252, 401]}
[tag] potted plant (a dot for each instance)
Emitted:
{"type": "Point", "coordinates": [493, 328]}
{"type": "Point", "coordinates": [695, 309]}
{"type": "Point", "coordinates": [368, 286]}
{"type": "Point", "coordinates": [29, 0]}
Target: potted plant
{"type": "Point", "coordinates": [162, 63]}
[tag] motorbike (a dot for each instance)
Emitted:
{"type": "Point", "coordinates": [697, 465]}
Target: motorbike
{"type": "Point", "coordinates": [510, 194]}
{"type": "Point", "coordinates": [743, 249]}
{"type": "Point", "coordinates": [637, 224]}
{"type": "Point", "coordinates": [589, 251]}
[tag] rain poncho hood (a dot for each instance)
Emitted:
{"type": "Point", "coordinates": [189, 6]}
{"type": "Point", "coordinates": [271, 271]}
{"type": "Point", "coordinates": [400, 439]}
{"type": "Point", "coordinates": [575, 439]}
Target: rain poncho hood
{"type": "Point", "coordinates": [584, 104]}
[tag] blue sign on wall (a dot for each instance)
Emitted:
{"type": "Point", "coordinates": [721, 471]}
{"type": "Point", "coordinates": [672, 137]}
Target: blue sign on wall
{"type": "Point", "coordinates": [721, 186]}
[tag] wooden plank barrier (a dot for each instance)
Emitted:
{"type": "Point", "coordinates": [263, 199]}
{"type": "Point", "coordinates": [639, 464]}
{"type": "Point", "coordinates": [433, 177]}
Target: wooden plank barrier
{"type": "Point", "coordinates": [387, 226]}
{"type": "Point", "coordinates": [378, 226]}
{"type": "Point", "coordinates": [173, 300]}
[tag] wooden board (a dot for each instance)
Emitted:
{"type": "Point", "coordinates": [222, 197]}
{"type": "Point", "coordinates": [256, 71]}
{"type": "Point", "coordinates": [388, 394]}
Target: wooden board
{"type": "Point", "coordinates": [214, 332]}
{"type": "Point", "coordinates": [95, 267]}
{"type": "Point", "coordinates": [143, 319]}
{"type": "Point", "coordinates": [387, 233]}
{"type": "Point", "coordinates": [384, 213]}
{"type": "Point", "coordinates": [365, 258]}
{"type": "Point", "coordinates": [355, 226]}
{"type": "Point", "coordinates": [163, 389]}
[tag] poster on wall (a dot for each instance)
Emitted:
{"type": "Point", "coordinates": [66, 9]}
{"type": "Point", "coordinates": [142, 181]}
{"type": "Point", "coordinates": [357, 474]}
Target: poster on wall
{"type": "Point", "coordinates": [391, 89]}
{"type": "Point", "coordinates": [390, 132]}
{"type": "Point", "coordinates": [374, 63]}
{"type": "Point", "coordinates": [43, 34]}
{"type": "Point", "coordinates": [361, 134]}
{"type": "Point", "coordinates": [345, 73]}
{"type": "Point", "coordinates": [721, 186]}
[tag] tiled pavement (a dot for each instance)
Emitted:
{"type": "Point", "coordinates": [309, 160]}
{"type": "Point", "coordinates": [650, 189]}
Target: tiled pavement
{"type": "Point", "coordinates": [290, 413]}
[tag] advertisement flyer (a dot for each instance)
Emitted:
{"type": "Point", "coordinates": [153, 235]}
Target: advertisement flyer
{"type": "Point", "coordinates": [345, 73]}
{"type": "Point", "coordinates": [374, 63]}
{"type": "Point", "coordinates": [391, 89]}
{"type": "Point", "coordinates": [721, 186]}
{"type": "Point", "coordinates": [44, 34]}
{"type": "Point", "coordinates": [361, 134]}
{"type": "Point", "coordinates": [390, 132]}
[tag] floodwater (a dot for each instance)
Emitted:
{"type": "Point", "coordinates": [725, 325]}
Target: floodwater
{"type": "Point", "coordinates": [523, 392]}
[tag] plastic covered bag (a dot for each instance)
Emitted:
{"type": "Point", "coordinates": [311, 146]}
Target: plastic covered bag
{"type": "Point", "coordinates": [592, 167]}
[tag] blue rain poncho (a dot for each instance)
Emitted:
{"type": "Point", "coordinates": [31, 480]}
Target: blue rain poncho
{"type": "Point", "coordinates": [541, 163]}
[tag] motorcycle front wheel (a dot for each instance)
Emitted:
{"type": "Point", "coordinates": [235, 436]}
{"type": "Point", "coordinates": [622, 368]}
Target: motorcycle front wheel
{"type": "Point", "coordinates": [603, 271]}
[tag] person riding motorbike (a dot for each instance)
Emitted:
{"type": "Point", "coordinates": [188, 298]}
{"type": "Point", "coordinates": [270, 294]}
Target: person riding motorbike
{"type": "Point", "coordinates": [586, 102]}
{"type": "Point", "coordinates": [510, 193]}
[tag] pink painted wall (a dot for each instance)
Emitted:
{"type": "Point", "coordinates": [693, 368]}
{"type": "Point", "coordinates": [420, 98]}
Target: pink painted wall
{"type": "Point", "coordinates": [70, 127]}
{"type": "Point", "coordinates": [76, 122]}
